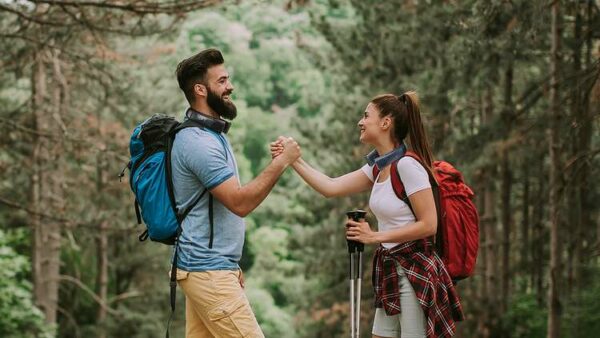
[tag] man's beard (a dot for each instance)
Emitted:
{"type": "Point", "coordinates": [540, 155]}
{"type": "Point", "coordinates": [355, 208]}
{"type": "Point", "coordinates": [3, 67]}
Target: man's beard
{"type": "Point", "coordinates": [225, 109]}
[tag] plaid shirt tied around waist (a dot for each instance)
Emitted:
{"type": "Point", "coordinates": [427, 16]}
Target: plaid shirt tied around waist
{"type": "Point", "coordinates": [428, 277]}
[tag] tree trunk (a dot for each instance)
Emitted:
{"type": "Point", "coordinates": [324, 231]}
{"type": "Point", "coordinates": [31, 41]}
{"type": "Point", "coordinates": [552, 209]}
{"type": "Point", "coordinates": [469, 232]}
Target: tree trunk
{"type": "Point", "coordinates": [102, 279]}
{"type": "Point", "coordinates": [539, 238]}
{"type": "Point", "coordinates": [555, 182]}
{"type": "Point", "coordinates": [47, 188]}
{"type": "Point", "coordinates": [37, 185]}
{"type": "Point", "coordinates": [483, 309]}
{"type": "Point", "coordinates": [102, 238]}
{"type": "Point", "coordinates": [585, 145]}
{"type": "Point", "coordinates": [490, 223]}
{"type": "Point", "coordinates": [592, 104]}
{"type": "Point", "coordinates": [525, 225]}
{"type": "Point", "coordinates": [481, 265]}
{"type": "Point", "coordinates": [506, 189]}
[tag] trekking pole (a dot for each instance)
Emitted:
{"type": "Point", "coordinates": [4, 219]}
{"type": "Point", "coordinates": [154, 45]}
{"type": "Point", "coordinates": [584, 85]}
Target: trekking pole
{"type": "Point", "coordinates": [355, 271]}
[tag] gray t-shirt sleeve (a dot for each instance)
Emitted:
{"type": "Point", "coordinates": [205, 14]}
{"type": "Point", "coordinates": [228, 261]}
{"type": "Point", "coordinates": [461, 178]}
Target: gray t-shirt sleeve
{"type": "Point", "coordinates": [206, 157]}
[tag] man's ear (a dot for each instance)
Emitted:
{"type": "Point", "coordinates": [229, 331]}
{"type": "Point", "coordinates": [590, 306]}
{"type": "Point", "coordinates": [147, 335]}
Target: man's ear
{"type": "Point", "coordinates": [200, 90]}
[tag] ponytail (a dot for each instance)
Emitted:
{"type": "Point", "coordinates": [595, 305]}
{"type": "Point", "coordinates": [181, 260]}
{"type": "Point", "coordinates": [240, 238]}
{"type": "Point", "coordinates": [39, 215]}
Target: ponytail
{"type": "Point", "coordinates": [416, 131]}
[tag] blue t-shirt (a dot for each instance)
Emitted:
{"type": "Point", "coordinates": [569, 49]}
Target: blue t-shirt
{"type": "Point", "coordinates": [202, 159]}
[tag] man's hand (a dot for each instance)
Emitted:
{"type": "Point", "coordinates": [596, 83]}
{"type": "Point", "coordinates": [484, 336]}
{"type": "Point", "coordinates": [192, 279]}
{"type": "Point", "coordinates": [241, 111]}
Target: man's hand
{"type": "Point", "coordinates": [291, 150]}
{"type": "Point", "coordinates": [241, 278]}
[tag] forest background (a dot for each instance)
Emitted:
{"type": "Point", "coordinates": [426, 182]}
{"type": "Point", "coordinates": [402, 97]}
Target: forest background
{"type": "Point", "coordinates": [509, 90]}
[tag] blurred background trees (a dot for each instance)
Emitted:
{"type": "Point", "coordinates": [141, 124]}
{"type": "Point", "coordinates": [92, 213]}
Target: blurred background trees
{"type": "Point", "coordinates": [509, 90]}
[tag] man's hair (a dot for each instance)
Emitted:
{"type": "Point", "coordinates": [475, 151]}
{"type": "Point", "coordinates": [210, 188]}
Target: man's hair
{"type": "Point", "coordinates": [192, 70]}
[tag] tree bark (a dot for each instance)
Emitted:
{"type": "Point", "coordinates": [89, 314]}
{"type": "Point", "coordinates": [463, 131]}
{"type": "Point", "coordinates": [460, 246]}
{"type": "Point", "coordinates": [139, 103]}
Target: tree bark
{"type": "Point", "coordinates": [506, 189]}
{"type": "Point", "coordinates": [525, 225]}
{"type": "Point", "coordinates": [592, 102]}
{"type": "Point", "coordinates": [576, 190]}
{"type": "Point", "coordinates": [555, 182]}
{"type": "Point", "coordinates": [483, 309]}
{"type": "Point", "coordinates": [37, 180]}
{"type": "Point", "coordinates": [481, 265]}
{"type": "Point", "coordinates": [490, 223]}
{"type": "Point", "coordinates": [102, 279]}
{"type": "Point", "coordinates": [102, 238]}
{"type": "Point", "coordinates": [47, 188]}
{"type": "Point", "coordinates": [539, 238]}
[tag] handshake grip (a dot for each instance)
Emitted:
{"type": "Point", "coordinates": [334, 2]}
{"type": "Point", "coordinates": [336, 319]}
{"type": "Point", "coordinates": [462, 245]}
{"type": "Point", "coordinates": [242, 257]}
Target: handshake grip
{"type": "Point", "coordinates": [356, 215]}
{"type": "Point", "coordinates": [279, 146]}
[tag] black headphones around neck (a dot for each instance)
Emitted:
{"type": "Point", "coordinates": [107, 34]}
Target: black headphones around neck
{"type": "Point", "coordinates": [215, 124]}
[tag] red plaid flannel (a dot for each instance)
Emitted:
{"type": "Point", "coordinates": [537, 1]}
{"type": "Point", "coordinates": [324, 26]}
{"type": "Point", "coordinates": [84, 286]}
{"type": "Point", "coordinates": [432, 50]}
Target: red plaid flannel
{"type": "Point", "coordinates": [428, 277]}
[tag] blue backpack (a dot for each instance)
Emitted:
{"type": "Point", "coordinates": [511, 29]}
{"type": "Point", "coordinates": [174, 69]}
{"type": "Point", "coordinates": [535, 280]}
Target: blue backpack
{"type": "Point", "coordinates": [151, 180]}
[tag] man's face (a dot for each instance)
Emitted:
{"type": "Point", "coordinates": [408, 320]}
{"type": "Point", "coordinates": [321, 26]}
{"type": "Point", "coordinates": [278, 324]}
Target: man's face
{"type": "Point", "coordinates": [219, 90]}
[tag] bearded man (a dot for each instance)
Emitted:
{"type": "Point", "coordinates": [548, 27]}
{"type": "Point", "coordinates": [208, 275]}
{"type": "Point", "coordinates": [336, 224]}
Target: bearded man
{"type": "Point", "coordinates": [210, 245]}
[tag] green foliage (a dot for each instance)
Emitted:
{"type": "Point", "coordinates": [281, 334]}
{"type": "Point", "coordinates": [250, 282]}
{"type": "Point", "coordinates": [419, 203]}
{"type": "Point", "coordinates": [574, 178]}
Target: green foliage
{"type": "Point", "coordinates": [19, 317]}
{"type": "Point", "coordinates": [274, 320]}
{"type": "Point", "coordinates": [582, 312]}
{"type": "Point", "coordinates": [524, 318]}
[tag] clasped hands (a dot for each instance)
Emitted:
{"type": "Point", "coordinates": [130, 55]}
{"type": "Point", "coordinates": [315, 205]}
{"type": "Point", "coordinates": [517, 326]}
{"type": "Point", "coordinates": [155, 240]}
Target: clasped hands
{"type": "Point", "coordinates": [285, 148]}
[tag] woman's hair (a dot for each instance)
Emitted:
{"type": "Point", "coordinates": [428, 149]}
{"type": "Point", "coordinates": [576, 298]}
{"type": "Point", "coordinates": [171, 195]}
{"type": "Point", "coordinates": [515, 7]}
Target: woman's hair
{"type": "Point", "coordinates": [406, 115]}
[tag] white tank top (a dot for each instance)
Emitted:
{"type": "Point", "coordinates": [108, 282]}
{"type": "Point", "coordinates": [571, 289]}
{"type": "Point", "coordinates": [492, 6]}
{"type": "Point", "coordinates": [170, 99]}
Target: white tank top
{"type": "Point", "coordinates": [391, 212]}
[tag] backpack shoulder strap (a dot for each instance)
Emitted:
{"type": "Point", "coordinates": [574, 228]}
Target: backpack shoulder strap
{"type": "Point", "coordinates": [186, 124]}
{"type": "Point", "coordinates": [375, 172]}
{"type": "Point", "coordinates": [398, 186]}
{"type": "Point", "coordinates": [181, 215]}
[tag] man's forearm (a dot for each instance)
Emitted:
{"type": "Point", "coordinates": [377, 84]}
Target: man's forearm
{"type": "Point", "coordinates": [255, 191]}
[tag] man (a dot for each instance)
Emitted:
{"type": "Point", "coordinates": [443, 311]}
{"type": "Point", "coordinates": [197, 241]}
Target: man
{"type": "Point", "coordinates": [202, 159]}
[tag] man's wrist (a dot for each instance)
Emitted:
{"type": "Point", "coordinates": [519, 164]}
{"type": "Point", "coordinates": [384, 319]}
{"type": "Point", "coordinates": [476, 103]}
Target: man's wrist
{"type": "Point", "coordinates": [281, 162]}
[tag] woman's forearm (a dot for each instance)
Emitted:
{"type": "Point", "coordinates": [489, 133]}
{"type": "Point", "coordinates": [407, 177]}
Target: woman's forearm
{"type": "Point", "coordinates": [410, 232]}
{"type": "Point", "coordinates": [322, 183]}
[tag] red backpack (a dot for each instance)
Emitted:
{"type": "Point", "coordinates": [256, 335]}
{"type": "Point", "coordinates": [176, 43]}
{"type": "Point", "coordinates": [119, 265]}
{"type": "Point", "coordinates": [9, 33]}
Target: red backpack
{"type": "Point", "coordinates": [457, 238]}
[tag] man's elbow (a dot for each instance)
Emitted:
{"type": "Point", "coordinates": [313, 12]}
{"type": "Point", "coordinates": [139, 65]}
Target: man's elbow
{"type": "Point", "coordinates": [241, 211]}
{"type": "Point", "coordinates": [244, 207]}
{"type": "Point", "coordinates": [237, 207]}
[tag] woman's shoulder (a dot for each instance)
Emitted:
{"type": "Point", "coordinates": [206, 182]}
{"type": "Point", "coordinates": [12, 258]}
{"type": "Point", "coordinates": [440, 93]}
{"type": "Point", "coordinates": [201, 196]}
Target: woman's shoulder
{"type": "Point", "coordinates": [408, 163]}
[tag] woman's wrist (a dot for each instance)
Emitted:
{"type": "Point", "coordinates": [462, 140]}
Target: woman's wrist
{"type": "Point", "coordinates": [378, 237]}
{"type": "Point", "coordinates": [297, 163]}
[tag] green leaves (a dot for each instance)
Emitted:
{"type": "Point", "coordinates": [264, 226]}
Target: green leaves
{"type": "Point", "coordinates": [19, 317]}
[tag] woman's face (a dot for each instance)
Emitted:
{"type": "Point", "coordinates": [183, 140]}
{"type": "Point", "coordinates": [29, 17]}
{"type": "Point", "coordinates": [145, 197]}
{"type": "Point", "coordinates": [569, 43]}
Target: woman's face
{"type": "Point", "coordinates": [372, 126]}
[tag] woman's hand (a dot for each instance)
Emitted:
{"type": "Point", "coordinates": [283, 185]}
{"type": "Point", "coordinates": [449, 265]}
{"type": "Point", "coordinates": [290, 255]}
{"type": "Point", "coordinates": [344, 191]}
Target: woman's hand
{"type": "Point", "coordinates": [277, 147]}
{"type": "Point", "coordinates": [360, 232]}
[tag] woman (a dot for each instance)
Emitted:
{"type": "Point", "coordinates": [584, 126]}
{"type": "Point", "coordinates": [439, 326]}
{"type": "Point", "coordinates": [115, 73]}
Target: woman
{"type": "Point", "coordinates": [409, 277]}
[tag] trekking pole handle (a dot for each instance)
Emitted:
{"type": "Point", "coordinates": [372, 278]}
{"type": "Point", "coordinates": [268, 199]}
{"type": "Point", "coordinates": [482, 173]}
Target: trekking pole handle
{"type": "Point", "coordinates": [357, 216]}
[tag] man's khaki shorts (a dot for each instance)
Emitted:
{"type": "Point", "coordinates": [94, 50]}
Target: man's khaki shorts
{"type": "Point", "coordinates": [216, 305]}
